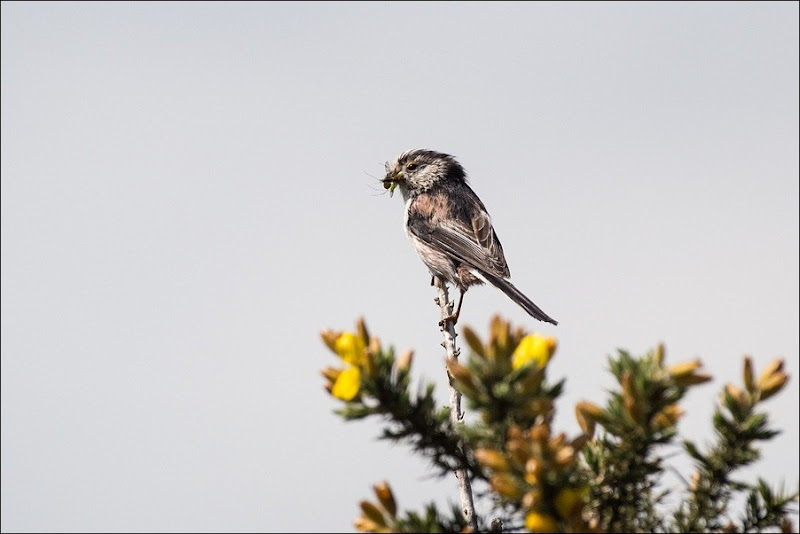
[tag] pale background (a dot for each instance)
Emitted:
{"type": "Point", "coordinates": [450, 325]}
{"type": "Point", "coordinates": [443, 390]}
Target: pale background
{"type": "Point", "coordinates": [189, 195]}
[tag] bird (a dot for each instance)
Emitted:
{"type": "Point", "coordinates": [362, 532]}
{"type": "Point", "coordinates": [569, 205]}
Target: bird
{"type": "Point", "coordinates": [450, 228]}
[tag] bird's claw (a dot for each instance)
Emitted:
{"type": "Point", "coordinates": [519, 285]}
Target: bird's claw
{"type": "Point", "coordinates": [449, 319]}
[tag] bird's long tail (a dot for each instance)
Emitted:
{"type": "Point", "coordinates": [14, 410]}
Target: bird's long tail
{"type": "Point", "coordinates": [517, 296]}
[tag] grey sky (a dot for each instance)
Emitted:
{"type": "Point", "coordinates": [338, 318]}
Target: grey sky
{"type": "Point", "coordinates": [189, 196]}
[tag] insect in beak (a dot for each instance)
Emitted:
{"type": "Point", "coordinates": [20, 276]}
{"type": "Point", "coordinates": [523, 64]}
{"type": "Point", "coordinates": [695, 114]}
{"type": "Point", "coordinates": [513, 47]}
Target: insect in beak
{"type": "Point", "coordinates": [391, 181]}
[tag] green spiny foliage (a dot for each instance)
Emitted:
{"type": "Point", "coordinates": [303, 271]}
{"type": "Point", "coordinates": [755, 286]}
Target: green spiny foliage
{"type": "Point", "coordinates": [539, 480]}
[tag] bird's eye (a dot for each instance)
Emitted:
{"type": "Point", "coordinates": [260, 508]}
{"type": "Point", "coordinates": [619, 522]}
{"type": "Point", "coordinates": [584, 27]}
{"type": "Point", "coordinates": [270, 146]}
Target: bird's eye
{"type": "Point", "coordinates": [411, 166]}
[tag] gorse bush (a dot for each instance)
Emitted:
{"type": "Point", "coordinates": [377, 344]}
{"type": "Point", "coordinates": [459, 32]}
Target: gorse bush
{"type": "Point", "coordinates": [605, 479]}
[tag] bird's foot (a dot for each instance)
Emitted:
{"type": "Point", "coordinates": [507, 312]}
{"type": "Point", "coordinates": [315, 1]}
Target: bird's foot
{"type": "Point", "coordinates": [449, 319]}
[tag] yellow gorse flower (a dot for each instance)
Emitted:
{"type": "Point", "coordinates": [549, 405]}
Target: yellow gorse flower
{"type": "Point", "coordinates": [536, 522]}
{"type": "Point", "coordinates": [533, 348]}
{"type": "Point", "coordinates": [569, 501]}
{"type": "Point", "coordinates": [350, 347]}
{"type": "Point", "coordinates": [346, 385]}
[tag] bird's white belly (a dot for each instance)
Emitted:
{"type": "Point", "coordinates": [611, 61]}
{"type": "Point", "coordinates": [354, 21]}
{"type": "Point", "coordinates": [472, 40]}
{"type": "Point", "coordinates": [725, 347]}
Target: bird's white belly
{"type": "Point", "coordinates": [438, 263]}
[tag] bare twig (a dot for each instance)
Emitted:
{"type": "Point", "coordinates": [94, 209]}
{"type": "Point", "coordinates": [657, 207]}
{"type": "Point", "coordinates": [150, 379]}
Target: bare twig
{"type": "Point", "coordinates": [456, 415]}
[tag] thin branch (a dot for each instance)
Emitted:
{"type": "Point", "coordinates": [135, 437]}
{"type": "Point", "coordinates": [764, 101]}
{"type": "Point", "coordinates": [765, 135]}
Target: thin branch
{"type": "Point", "coordinates": [456, 415]}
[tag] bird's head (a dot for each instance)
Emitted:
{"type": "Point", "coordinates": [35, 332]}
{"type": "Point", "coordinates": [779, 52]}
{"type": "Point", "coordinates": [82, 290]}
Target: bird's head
{"type": "Point", "coordinates": [415, 171]}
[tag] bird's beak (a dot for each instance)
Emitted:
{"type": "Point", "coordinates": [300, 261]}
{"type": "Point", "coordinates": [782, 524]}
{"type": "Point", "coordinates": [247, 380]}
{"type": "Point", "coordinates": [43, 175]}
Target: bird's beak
{"type": "Point", "coordinates": [392, 179]}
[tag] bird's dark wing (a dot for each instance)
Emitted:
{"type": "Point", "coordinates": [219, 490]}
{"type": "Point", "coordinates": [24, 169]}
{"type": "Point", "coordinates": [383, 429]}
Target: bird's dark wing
{"type": "Point", "coordinates": [472, 242]}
